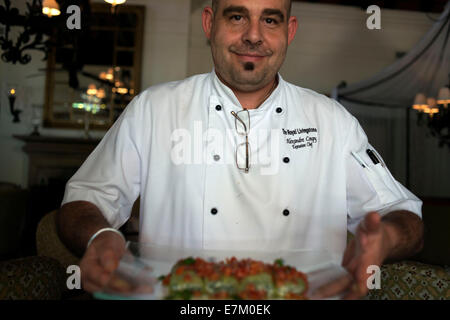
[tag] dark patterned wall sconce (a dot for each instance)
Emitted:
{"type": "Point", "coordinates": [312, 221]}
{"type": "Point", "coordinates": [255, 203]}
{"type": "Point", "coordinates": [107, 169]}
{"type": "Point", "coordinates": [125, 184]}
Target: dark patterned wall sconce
{"type": "Point", "coordinates": [34, 29]}
{"type": "Point", "coordinates": [12, 99]}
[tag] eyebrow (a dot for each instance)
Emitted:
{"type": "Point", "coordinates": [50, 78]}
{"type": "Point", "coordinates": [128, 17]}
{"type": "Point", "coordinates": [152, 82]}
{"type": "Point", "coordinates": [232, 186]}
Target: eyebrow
{"type": "Point", "coordinates": [244, 10]}
{"type": "Point", "coordinates": [274, 12]}
{"type": "Point", "coordinates": [232, 9]}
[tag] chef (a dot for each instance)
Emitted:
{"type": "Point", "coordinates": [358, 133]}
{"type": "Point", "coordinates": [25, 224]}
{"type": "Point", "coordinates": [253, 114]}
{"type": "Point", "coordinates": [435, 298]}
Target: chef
{"type": "Point", "coordinates": [240, 159]}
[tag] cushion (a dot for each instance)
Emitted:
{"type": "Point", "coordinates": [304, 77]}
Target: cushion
{"type": "Point", "coordinates": [48, 243]}
{"type": "Point", "coordinates": [32, 278]}
{"type": "Point", "coordinates": [409, 280]}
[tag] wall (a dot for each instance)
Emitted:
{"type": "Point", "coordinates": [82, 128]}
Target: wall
{"type": "Point", "coordinates": [165, 40]}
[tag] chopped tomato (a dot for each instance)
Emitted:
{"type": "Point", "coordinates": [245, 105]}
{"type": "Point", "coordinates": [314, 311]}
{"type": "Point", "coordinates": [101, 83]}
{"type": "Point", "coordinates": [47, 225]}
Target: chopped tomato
{"type": "Point", "coordinates": [197, 293]}
{"type": "Point", "coordinates": [166, 280]}
{"type": "Point", "coordinates": [180, 270]}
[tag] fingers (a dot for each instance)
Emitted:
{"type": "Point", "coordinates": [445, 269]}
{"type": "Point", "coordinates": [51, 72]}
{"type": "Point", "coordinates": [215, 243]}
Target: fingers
{"type": "Point", "coordinates": [120, 285]}
{"type": "Point", "coordinates": [124, 285]}
{"type": "Point", "coordinates": [358, 289]}
{"type": "Point", "coordinates": [92, 275]}
{"type": "Point", "coordinates": [144, 289]}
{"type": "Point", "coordinates": [100, 261]}
{"type": "Point", "coordinates": [349, 253]}
{"type": "Point", "coordinates": [362, 240]}
{"type": "Point", "coordinates": [359, 286]}
{"type": "Point", "coordinates": [95, 279]}
{"type": "Point", "coordinates": [97, 269]}
{"type": "Point", "coordinates": [333, 288]}
{"type": "Point", "coordinates": [354, 293]}
{"type": "Point", "coordinates": [371, 222]}
{"type": "Point", "coordinates": [369, 226]}
{"type": "Point", "coordinates": [352, 266]}
{"type": "Point", "coordinates": [109, 260]}
{"type": "Point", "coordinates": [353, 287]}
{"type": "Point", "coordinates": [349, 286]}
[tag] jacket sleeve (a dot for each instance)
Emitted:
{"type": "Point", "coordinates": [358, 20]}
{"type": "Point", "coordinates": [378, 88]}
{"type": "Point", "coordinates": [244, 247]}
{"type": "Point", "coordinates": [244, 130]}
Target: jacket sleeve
{"type": "Point", "coordinates": [370, 186]}
{"type": "Point", "coordinates": [110, 176]}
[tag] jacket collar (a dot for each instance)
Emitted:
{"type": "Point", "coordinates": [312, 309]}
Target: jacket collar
{"type": "Point", "coordinates": [227, 97]}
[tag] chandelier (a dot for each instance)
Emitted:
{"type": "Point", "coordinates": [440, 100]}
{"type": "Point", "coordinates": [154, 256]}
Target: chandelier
{"type": "Point", "coordinates": [115, 2]}
{"type": "Point", "coordinates": [32, 36]}
{"type": "Point", "coordinates": [437, 114]}
{"type": "Point", "coordinates": [50, 8]}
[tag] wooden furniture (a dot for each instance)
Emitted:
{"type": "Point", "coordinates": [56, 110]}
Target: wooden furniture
{"type": "Point", "coordinates": [54, 159]}
{"type": "Point", "coordinates": [52, 162]}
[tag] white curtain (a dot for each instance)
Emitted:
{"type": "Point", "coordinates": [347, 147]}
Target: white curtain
{"type": "Point", "coordinates": [381, 102]}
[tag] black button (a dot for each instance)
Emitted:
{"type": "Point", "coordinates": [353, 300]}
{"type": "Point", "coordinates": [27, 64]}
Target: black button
{"type": "Point", "coordinates": [279, 110]}
{"type": "Point", "coordinates": [286, 212]}
{"type": "Point", "coordinates": [286, 160]}
{"type": "Point", "coordinates": [218, 107]}
{"type": "Point", "coordinates": [216, 157]}
{"type": "Point", "coordinates": [214, 211]}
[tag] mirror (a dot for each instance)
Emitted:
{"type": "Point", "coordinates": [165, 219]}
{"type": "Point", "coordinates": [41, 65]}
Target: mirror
{"type": "Point", "coordinates": [93, 74]}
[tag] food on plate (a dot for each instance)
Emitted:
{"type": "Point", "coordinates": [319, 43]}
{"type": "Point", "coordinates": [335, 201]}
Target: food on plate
{"type": "Point", "coordinates": [196, 278]}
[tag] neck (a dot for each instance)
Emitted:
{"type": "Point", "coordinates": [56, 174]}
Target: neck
{"type": "Point", "coordinates": [252, 100]}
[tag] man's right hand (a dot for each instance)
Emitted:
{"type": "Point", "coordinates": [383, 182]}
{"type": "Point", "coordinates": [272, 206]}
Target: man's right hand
{"type": "Point", "coordinates": [100, 260]}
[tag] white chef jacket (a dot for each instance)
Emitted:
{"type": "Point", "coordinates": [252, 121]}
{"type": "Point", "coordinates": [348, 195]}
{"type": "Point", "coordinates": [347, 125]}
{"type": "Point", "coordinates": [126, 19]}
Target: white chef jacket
{"type": "Point", "coordinates": [175, 146]}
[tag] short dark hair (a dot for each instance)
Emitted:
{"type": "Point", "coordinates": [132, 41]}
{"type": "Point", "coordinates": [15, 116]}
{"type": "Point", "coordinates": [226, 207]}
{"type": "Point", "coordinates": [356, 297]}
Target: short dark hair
{"type": "Point", "coordinates": [215, 4]}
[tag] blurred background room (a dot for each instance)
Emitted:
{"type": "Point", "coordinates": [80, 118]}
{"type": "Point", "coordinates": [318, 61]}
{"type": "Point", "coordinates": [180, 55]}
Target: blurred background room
{"type": "Point", "coordinates": [65, 78]}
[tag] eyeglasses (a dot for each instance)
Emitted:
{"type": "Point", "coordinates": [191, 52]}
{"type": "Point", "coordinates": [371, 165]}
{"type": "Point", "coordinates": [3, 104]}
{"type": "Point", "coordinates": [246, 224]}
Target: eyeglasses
{"type": "Point", "coordinates": [242, 124]}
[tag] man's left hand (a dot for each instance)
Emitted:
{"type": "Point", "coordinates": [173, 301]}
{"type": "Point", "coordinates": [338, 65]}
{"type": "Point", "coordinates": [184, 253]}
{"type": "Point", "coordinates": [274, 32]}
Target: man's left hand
{"type": "Point", "coordinates": [370, 246]}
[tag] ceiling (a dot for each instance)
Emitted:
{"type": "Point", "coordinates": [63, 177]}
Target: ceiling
{"type": "Point", "coordinates": [434, 6]}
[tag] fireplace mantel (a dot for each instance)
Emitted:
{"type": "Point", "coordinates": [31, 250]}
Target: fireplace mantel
{"type": "Point", "coordinates": [54, 158]}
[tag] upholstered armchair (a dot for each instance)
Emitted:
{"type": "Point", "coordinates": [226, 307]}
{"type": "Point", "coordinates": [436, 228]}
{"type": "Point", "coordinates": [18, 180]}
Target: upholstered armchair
{"type": "Point", "coordinates": [43, 276]}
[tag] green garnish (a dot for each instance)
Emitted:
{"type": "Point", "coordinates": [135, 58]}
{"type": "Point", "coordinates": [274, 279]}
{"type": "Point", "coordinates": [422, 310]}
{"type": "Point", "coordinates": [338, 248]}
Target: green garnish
{"type": "Point", "coordinates": [181, 295]}
{"type": "Point", "coordinates": [188, 261]}
{"type": "Point", "coordinates": [161, 278]}
{"type": "Point", "coordinates": [279, 262]}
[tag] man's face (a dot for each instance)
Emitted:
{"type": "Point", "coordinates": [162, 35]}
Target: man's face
{"type": "Point", "coordinates": [249, 40]}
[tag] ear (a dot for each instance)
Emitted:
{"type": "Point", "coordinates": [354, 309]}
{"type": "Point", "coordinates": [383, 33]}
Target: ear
{"type": "Point", "coordinates": [292, 28]}
{"type": "Point", "coordinates": [207, 21]}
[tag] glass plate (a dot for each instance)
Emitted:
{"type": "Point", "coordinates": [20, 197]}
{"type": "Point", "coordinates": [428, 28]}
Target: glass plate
{"type": "Point", "coordinates": [137, 275]}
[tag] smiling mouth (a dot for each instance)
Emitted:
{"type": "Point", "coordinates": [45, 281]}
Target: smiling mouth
{"type": "Point", "coordinates": [249, 57]}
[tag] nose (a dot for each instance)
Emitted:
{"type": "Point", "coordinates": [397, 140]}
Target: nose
{"type": "Point", "coordinates": [252, 34]}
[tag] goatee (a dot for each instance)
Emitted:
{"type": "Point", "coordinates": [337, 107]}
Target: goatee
{"type": "Point", "coordinates": [249, 66]}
